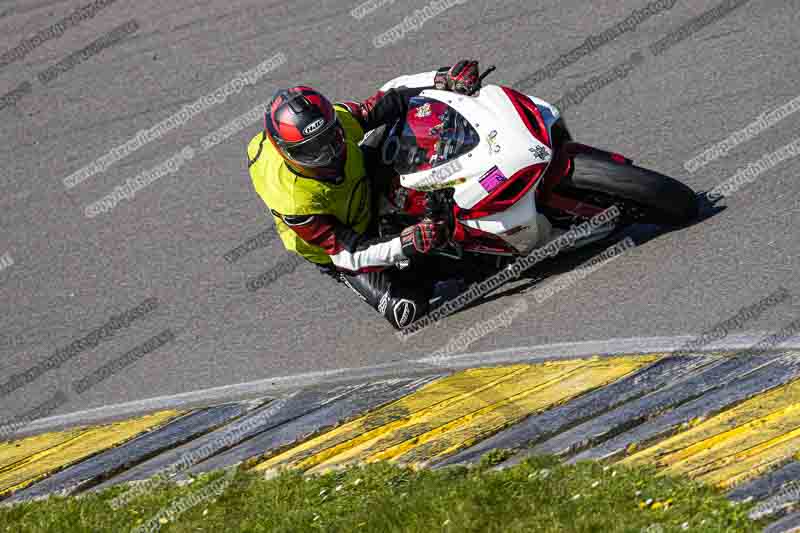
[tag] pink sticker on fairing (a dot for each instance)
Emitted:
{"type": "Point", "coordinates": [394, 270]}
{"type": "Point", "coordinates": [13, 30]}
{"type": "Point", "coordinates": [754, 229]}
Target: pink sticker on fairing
{"type": "Point", "coordinates": [492, 180]}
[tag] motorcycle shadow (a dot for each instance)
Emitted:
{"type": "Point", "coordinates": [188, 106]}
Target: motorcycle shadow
{"type": "Point", "coordinates": [570, 261]}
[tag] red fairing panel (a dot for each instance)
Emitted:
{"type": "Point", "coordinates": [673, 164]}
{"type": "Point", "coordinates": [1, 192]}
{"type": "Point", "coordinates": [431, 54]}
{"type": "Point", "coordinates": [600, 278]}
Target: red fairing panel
{"type": "Point", "coordinates": [476, 240]}
{"type": "Point", "coordinates": [505, 195]}
{"type": "Point", "coordinates": [409, 201]}
{"type": "Point", "coordinates": [530, 115]}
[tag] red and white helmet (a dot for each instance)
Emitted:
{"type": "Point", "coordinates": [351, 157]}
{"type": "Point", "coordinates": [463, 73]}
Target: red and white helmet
{"type": "Point", "coordinates": [303, 126]}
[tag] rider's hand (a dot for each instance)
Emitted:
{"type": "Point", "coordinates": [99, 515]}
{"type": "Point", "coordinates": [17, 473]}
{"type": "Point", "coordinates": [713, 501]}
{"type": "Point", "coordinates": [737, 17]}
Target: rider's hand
{"type": "Point", "coordinates": [423, 237]}
{"type": "Point", "coordinates": [464, 77]}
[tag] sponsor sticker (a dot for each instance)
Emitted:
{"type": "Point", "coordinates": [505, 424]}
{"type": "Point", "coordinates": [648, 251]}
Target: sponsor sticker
{"type": "Point", "coordinates": [540, 152]}
{"type": "Point", "coordinates": [424, 111]}
{"type": "Point", "coordinates": [491, 141]}
{"type": "Point", "coordinates": [492, 180]}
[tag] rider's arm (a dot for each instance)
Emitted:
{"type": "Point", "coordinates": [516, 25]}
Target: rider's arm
{"type": "Point", "coordinates": [383, 108]}
{"type": "Point", "coordinates": [387, 106]}
{"type": "Point", "coordinates": [349, 250]}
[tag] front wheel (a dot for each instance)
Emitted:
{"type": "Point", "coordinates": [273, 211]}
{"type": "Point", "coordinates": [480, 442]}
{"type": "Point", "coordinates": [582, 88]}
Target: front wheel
{"type": "Point", "coordinates": [655, 198]}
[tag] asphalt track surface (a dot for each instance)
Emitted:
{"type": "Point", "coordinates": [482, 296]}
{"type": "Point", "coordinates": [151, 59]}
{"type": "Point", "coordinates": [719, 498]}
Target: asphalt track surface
{"type": "Point", "coordinates": [72, 273]}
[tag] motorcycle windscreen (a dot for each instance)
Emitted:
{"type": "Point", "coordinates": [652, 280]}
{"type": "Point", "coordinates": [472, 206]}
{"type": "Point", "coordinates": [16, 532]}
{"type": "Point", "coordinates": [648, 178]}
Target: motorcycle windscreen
{"type": "Point", "coordinates": [431, 134]}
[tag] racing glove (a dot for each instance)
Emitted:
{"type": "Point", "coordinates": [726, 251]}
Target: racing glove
{"type": "Point", "coordinates": [462, 78]}
{"type": "Point", "coordinates": [423, 237]}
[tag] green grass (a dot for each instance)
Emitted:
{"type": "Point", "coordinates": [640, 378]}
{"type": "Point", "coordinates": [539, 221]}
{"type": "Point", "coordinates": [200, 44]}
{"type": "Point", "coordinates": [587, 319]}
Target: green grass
{"type": "Point", "coordinates": [538, 495]}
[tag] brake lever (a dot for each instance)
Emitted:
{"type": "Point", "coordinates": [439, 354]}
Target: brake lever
{"type": "Point", "coordinates": [480, 80]}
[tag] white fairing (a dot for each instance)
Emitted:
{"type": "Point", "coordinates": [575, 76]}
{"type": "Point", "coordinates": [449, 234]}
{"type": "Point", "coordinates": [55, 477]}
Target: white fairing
{"type": "Point", "coordinates": [505, 143]}
{"type": "Point", "coordinates": [423, 79]}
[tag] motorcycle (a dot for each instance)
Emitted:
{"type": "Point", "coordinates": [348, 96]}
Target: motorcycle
{"type": "Point", "coordinates": [502, 168]}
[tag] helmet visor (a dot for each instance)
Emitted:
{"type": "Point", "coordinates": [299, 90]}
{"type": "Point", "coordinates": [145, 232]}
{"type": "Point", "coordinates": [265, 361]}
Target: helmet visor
{"type": "Point", "coordinates": [322, 150]}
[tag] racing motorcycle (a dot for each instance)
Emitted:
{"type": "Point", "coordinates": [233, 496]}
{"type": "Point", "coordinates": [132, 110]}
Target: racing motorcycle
{"type": "Point", "coordinates": [501, 167]}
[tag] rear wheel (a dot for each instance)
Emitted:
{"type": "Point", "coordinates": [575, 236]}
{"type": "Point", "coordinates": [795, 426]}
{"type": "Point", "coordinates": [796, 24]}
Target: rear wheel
{"type": "Point", "coordinates": [649, 196]}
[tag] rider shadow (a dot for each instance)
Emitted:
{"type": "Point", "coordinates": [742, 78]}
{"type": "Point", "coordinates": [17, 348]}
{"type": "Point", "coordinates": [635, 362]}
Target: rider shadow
{"type": "Point", "coordinates": [562, 264]}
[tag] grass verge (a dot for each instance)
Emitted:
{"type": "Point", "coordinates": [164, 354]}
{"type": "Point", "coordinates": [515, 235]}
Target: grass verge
{"type": "Point", "coordinates": [539, 495]}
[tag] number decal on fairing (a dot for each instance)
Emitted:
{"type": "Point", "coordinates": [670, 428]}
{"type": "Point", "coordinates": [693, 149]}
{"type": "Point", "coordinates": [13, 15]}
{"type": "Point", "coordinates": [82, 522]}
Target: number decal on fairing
{"type": "Point", "coordinates": [492, 180]}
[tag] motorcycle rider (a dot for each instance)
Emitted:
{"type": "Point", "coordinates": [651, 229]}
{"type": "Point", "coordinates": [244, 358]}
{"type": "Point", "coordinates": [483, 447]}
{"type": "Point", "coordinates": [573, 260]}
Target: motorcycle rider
{"type": "Point", "coordinates": [319, 186]}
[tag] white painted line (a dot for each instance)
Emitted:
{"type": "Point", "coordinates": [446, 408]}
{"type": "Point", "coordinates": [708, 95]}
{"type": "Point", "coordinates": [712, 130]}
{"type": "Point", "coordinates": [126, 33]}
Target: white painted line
{"type": "Point", "coordinates": [424, 366]}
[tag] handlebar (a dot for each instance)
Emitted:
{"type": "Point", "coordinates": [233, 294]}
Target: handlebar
{"type": "Point", "coordinates": [480, 80]}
